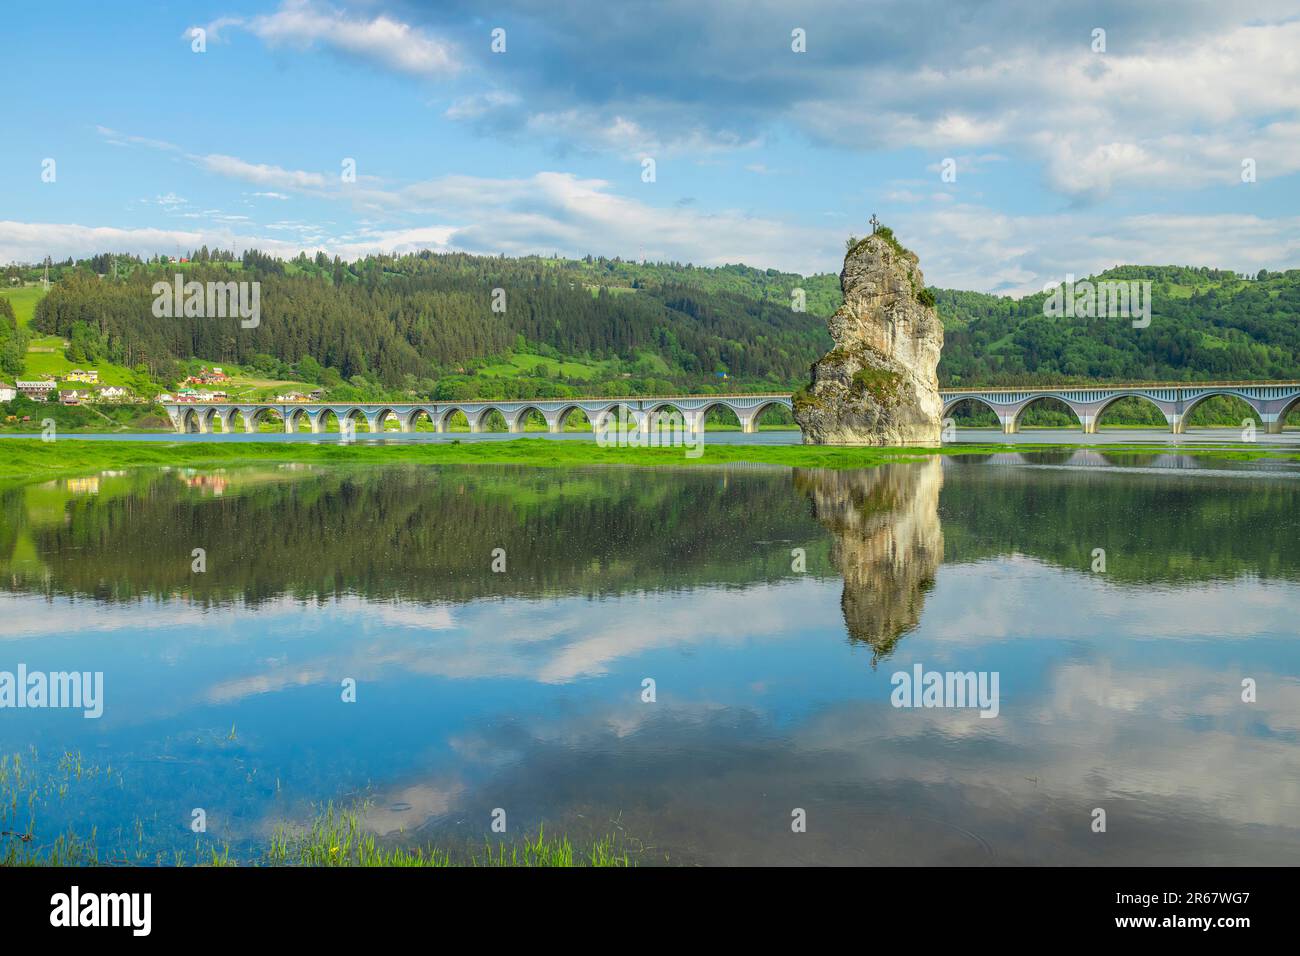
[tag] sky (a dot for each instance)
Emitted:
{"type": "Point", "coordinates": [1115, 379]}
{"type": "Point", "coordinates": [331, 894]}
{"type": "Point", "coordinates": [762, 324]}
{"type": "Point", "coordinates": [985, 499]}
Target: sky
{"type": "Point", "coordinates": [1008, 142]}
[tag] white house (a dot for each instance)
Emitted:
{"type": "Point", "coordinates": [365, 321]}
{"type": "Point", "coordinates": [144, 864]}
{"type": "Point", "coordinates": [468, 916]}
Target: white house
{"type": "Point", "coordinates": [7, 392]}
{"type": "Point", "coordinates": [111, 393]}
{"type": "Point", "coordinates": [39, 390]}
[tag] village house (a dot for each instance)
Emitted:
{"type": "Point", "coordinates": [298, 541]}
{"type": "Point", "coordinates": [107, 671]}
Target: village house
{"type": "Point", "coordinates": [111, 393]}
{"type": "Point", "coordinates": [78, 375]}
{"type": "Point", "coordinates": [194, 395]}
{"type": "Point", "coordinates": [71, 396]}
{"type": "Point", "coordinates": [38, 391]}
{"type": "Point", "coordinates": [291, 397]}
{"type": "Point", "coordinates": [7, 392]}
{"type": "Point", "coordinates": [208, 376]}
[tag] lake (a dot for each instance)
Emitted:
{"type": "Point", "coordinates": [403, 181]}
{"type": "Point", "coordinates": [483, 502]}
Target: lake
{"type": "Point", "coordinates": [699, 662]}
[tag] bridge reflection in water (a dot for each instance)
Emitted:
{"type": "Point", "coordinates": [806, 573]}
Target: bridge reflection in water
{"type": "Point", "coordinates": [1272, 401]}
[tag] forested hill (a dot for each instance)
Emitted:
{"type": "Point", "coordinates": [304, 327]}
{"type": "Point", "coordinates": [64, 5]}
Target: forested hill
{"type": "Point", "coordinates": [418, 320]}
{"type": "Point", "coordinates": [426, 324]}
{"type": "Point", "coordinates": [1205, 324]}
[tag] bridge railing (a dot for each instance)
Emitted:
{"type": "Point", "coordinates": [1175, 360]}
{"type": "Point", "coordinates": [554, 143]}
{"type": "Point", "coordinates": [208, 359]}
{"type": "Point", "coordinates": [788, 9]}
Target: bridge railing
{"type": "Point", "coordinates": [262, 403]}
{"type": "Point", "coordinates": [1107, 386]}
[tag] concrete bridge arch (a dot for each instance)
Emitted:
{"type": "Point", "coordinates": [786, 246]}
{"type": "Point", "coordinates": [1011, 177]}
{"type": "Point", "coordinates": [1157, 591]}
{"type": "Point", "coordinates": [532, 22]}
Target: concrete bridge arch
{"type": "Point", "coordinates": [1270, 400]}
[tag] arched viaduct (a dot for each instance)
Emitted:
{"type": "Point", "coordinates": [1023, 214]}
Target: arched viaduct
{"type": "Point", "coordinates": [640, 412]}
{"type": "Point", "coordinates": [1270, 400]}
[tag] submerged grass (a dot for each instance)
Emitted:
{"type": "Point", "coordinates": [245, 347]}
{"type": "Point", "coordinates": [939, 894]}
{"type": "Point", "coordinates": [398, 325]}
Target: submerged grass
{"type": "Point", "coordinates": [337, 838]}
{"type": "Point", "coordinates": [23, 460]}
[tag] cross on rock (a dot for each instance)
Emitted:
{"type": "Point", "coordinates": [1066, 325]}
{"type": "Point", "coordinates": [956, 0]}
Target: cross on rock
{"type": "Point", "coordinates": [874, 223]}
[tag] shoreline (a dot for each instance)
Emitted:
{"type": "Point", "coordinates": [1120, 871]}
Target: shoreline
{"type": "Point", "coordinates": [31, 460]}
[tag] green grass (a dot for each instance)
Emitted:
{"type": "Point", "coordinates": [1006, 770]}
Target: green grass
{"type": "Point", "coordinates": [336, 837]}
{"type": "Point", "coordinates": [31, 788]}
{"type": "Point", "coordinates": [27, 460]}
{"type": "Point", "coordinates": [249, 386]}
{"type": "Point", "coordinates": [24, 301]}
{"type": "Point", "coordinates": [47, 343]}
{"type": "Point", "coordinates": [523, 363]}
{"type": "Point", "coordinates": [83, 418]}
{"type": "Point", "coordinates": [55, 363]}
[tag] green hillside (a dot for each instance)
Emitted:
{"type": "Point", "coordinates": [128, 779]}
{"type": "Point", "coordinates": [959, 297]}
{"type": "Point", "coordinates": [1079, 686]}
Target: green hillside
{"type": "Point", "coordinates": [1205, 325]}
{"type": "Point", "coordinates": [424, 326]}
{"type": "Point", "coordinates": [23, 300]}
{"type": "Point", "coordinates": [427, 325]}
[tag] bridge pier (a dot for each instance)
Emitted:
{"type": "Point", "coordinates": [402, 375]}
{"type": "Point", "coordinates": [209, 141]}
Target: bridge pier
{"type": "Point", "coordinates": [695, 420]}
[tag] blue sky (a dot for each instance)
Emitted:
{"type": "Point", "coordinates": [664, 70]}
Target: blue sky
{"type": "Point", "coordinates": [1067, 158]}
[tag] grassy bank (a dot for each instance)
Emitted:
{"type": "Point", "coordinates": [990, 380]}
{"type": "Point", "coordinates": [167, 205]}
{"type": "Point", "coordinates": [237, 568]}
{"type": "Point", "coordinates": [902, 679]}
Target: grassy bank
{"type": "Point", "coordinates": [32, 460]}
{"type": "Point", "coordinates": [21, 458]}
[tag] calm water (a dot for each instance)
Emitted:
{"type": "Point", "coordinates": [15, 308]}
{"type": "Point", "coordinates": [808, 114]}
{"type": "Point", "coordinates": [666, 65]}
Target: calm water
{"type": "Point", "coordinates": [523, 689]}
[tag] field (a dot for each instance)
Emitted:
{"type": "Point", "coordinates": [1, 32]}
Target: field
{"type": "Point", "coordinates": [41, 364]}
{"type": "Point", "coordinates": [24, 301]}
{"type": "Point", "coordinates": [524, 363]}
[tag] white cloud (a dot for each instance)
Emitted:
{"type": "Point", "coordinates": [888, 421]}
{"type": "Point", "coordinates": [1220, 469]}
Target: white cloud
{"type": "Point", "coordinates": [964, 246]}
{"type": "Point", "coordinates": [1178, 114]}
{"type": "Point", "coordinates": [261, 173]}
{"type": "Point", "coordinates": [381, 40]}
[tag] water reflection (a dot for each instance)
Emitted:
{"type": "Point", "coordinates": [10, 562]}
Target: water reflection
{"type": "Point", "coordinates": [886, 543]}
{"type": "Point", "coordinates": [523, 689]}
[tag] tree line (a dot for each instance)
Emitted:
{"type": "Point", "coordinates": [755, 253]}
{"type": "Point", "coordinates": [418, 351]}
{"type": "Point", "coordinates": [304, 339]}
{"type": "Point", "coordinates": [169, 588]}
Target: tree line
{"type": "Point", "coordinates": [426, 322]}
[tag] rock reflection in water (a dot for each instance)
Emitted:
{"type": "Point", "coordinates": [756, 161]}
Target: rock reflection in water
{"type": "Point", "coordinates": [887, 544]}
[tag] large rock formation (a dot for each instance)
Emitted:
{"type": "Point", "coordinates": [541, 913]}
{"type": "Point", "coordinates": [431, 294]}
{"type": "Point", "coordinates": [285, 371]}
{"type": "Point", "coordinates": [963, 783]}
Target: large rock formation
{"type": "Point", "coordinates": [878, 385]}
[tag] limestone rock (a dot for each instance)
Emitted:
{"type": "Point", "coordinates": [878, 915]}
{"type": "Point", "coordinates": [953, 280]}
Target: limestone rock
{"type": "Point", "coordinates": [878, 385]}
